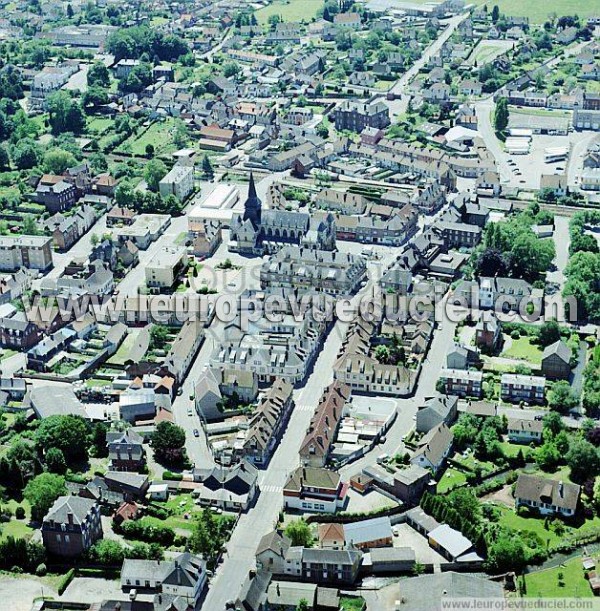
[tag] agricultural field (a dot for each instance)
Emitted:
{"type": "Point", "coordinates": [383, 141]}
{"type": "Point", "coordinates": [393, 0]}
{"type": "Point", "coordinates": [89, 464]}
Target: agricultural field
{"type": "Point", "coordinates": [487, 50]}
{"type": "Point", "coordinates": [538, 10]}
{"type": "Point", "coordinates": [290, 10]}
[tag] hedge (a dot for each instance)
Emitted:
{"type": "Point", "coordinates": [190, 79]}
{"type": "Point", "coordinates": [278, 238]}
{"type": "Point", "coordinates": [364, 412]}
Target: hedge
{"type": "Point", "coordinates": [176, 477]}
{"type": "Point", "coordinates": [65, 581]}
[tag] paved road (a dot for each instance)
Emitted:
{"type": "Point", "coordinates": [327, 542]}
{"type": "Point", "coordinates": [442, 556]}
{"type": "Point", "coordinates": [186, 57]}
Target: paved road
{"type": "Point", "coordinates": [562, 242]}
{"type": "Point", "coordinates": [398, 107]}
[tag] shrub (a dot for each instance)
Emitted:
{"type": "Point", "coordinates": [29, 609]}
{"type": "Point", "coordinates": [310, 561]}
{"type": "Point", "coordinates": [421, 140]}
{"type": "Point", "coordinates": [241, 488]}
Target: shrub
{"type": "Point", "coordinates": [41, 570]}
{"type": "Point", "coordinates": [20, 513]}
{"type": "Point", "coordinates": [65, 581]}
{"type": "Point", "coordinates": [176, 477]}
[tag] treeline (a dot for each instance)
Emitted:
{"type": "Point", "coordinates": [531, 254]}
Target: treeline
{"type": "Point", "coordinates": [133, 42]}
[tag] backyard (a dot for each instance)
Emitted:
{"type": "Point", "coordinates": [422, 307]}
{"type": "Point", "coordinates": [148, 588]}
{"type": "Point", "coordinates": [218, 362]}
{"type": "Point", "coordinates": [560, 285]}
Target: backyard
{"type": "Point", "coordinates": [566, 580]}
{"type": "Point", "coordinates": [523, 349]}
{"type": "Point", "coordinates": [487, 50]}
{"type": "Point", "coordinates": [158, 134]}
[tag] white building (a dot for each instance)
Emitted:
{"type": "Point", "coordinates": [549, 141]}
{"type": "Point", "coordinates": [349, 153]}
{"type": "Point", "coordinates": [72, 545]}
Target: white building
{"type": "Point", "coordinates": [33, 252]}
{"type": "Point", "coordinates": [178, 182]}
{"type": "Point", "coordinates": [163, 270]}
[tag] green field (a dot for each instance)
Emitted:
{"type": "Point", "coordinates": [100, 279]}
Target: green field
{"type": "Point", "coordinates": [545, 584]}
{"type": "Point", "coordinates": [487, 50]}
{"type": "Point", "coordinates": [290, 10]}
{"type": "Point", "coordinates": [523, 349]}
{"type": "Point", "coordinates": [538, 10]}
{"type": "Point", "coordinates": [450, 479]}
{"type": "Point", "coordinates": [158, 135]}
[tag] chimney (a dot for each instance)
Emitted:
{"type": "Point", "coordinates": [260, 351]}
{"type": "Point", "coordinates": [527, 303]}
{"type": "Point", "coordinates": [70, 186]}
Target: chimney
{"type": "Point", "coordinates": [560, 488]}
{"type": "Point", "coordinates": [70, 517]}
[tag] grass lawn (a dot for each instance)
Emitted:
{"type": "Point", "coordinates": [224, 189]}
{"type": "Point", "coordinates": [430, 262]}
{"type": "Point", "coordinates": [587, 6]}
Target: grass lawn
{"type": "Point", "coordinates": [158, 135]}
{"type": "Point", "coordinates": [532, 524]}
{"type": "Point", "coordinates": [512, 449]}
{"type": "Point", "coordinates": [122, 353]}
{"type": "Point", "coordinates": [290, 10]}
{"type": "Point", "coordinates": [487, 50]}
{"type": "Point", "coordinates": [352, 603]}
{"type": "Point", "coordinates": [450, 479]}
{"type": "Point", "coordinates": [522, 349]}
{"type": "Point", "coordinates": [99, 124]}
{"type": "Point", "coordinates": [545, 583]}
{"type": "Point", "coordinates": [540, 112]}
{"type": "Point", "coordinates": [17, 528]}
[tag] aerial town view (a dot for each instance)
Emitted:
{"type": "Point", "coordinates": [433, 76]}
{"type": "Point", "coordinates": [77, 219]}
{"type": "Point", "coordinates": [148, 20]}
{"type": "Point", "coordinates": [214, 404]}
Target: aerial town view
{"type": "Point", "coordinates": [299, 305]}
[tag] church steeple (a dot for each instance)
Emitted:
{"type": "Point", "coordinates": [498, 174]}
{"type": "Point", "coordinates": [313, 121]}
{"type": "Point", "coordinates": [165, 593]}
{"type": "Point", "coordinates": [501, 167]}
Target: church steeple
{"type": "Point", "coordinates": [252, 207]}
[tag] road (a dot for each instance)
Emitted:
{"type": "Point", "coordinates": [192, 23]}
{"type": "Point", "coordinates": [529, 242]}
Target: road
{"type": "Point", "coordinates": [562, 242]}
{"type": "Point", "coordinates": [398, 107]}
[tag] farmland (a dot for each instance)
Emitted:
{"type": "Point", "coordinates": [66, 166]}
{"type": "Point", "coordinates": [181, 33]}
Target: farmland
{"type": "Point", "coordinates": [290, 10]}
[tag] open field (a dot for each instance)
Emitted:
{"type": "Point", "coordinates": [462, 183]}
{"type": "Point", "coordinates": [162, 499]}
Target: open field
{"type": "Point", "coordinates": [546, 583]}
{"type": "Point", "coordinates": [290, 10]}
{"type": "Point", "coordinates": [159, 135]}
{"type": "Point", "coordinates": [522, 349]}
{"type": "Point", "coordinates": [487, 50]}
{"type": "Point", "coordinates": [538, 10]}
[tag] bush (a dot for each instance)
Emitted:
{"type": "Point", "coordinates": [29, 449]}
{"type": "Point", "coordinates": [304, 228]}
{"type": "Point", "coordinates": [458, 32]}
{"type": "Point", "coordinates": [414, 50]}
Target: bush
{"type": "Point", "coordinates": [515, 334]}
{"type": "Point", "coordinates": [176, 477]}
{"type": "Point", "coordinates": [20, 513]}
{"type": "Point", "coordinates": [65, 581]}
{"type": "Point", "coordinates": [41, 570]}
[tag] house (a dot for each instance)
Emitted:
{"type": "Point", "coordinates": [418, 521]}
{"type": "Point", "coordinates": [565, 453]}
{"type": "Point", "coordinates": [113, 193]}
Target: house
{"type": "Point", "coordinates": [228, 488]}
{"type": "Point", "coordinates": [433, 448]}
{"type": "Point", "coordinates": [330, 566]}
{"type": "Point", "coordinates": [525, 430]}
{"type": "Point", "coordinates": [125, 451]}
{"type": "Point", "coordinates": [313, 489]}
{"type": "Point", "coordinates": [331, 536]}
{"type": "Point", "coordinates": [286, 595]}
{"type": "Point", "coordinates": [133, 486]}
{"type": "Point", "coordinates": [119, 215]}
{"type": "Point", "coordinates": [57, 196]}
{"type": "Point", "coordinates": [164, 269]}
{"type": "Point", "coordinates": [556, 361]}
{"type": "Point", "coordinates": [349, 21]}
{"type": "Point", "coordinates": [355, 116]}
{"type": "Point", "coordinates": [557, 183]}
{"type": "Point", "coordinates": [31, 252]}
{"type": "Point", "coordinates": [392, 560]}
{"type": "Point", "coordinates": [271, 551]}
{"type": "Point", "coordinates": [527, 388]}
{"type": "Point", "coordinates": [268, 422]}
{"type": "Point", "coordinates": [548, 496]}
{"type": "Point", "coordinates": [487, 332]}
{"type": "Point", "coordinates": [316, 446]}
{"type": "Point", "coordinates": [71, 526]}
{"type": "Point", "coordinates": [461, 357]}
{"type": "Point", "coordinates": [443, 408]}
{"type": "Point", "coordinates": [183, 576]}
{"type": "Point", "coordinates": [470, 87]}
{"type": "Point", "coordinates": [367, 534]}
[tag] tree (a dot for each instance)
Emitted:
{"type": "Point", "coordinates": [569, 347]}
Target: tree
{"type": "Point", "coordinates": [302, 605]}
{"type": "Point", "coordinates": [159, 334]}
{"type": "Point", "coordinates": [98, 440]}
{"type": "Point", "coordinates": [298, 531]}
{"type": "Point", "coordinates": [495, 13]}
{"type": "Point", "coordinates": [67, 433]}
{"type": "Point", "coordinates": [561, 397]}
{"type": "Point", "coordinates": [26, 154]}
{"type": "Point", "coordinates": [180, 134]}
{"type": "Point", "coordinates": [56, 161]}
{"type": "Point", "coordinates": [29, 225]}
{"type": "Point", "coordinates": [583, 460]}
{"type": "Point", "coordinates": [107, 553]}
{"type": "Point", "coordinates": [4, 159]}
{"type": "Point", "coordinates": [168, 441]}
{"type": "Point", "coordinates": [70, 12]}
{"type": "Point", "coordinates": [506, 554]}
{"type": "Point", "coordinates": [94, 96]}
{"type": "Point", "coordinates": [98, 76]}
{"type": "Point", "coordinates": [553, 423]}
{"type": "Point", "coordinates": [55, 461]}
{"type": "Point", "coordinates": [65, 115]}
{"type": "Point", "coordinates": [549, 333]}
{"type": "Point", "coordinates": [207, 167]}
{"type": "Point", "coordinates": [149, 150]}
{"type": "Point", "coordinates": [501, 115]}
{"type": "Point", "coordinates": [231, 69]}
{"type": "Point", "coordinates": [98, 162]}
{"type": "Point", "coordinates": [42, 491]}
{"type": "Point", "coordinates": [154, 172]}
{"type": "Point", "coordinates": [547, 456]}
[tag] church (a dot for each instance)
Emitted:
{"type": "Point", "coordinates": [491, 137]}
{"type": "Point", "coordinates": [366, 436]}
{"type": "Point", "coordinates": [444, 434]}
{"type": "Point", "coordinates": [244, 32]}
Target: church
{"type": "Point", "coordinates": [258, 232]}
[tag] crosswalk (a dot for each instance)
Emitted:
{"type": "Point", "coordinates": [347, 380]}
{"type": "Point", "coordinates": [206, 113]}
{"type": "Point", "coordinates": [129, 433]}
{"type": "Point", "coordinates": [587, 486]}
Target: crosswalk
{"type": "Point", "coordinates": [304, 408]}
{"type": "Point", "coordinates": [271, 488]}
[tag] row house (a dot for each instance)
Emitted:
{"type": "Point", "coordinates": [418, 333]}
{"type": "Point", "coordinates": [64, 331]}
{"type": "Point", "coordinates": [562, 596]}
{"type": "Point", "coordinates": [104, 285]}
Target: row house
{"type": "Point", "coordinates": [315, 490]}
{"type": "Point", "coordinates": [516, 388]}
{"type": "Point", "coordinates": [461, 382]}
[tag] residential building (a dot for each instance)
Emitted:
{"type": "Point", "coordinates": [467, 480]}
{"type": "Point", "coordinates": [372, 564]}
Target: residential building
{"type": "Point", "coordinates": [316, 446]}
{"type": "Point", "coordinates": [443, 408]}
{"type": "Point", "coordinates": [32, 252]}
{"type": "Point", "coordinates": [165, 268]}
{"type": "Point", "coordinates": [57, 196]}
{"type": "Point", "coordinates": [355, 116]}
{"type": "Point", "coordinates": [556, 361]}
{"type": "Point", "coordinates": [331, 536]}
{"type": "Point", "coordinates": [548, 496]}
{"type": "Point", "coordinates": [349, 21]}
{"type": "Point", "coordinates": [71, 526]}
{"type": "Point", "coordinates": [267, 423]}
{"type": "Point", "coordinates": [461, 357]}
{"type": "Point", "coordinates": [183, 576]}
{"type": "Point", "coordinates": [462, 382]}
{"type": "Point", "coordinates": [178, 182]}
{"type": "Point", "coordinates": [433, 448]}
{"type": "Point", "coordinates": [125, 451]}
{"type": "Point", "coordinates": [525, 430]}
{"type": "Point", "coordinates": [271, 551]}
{"type": "Point", "coordinates": [527, 388]}
{"type": "Point", "coordinates": [330, 566]}
{"type": "Point", "coordinates": [487, 332]}
{"type": "Point", "coordinates": [228, 488]}
{"type": "Point", "coordinates": [316, 490]}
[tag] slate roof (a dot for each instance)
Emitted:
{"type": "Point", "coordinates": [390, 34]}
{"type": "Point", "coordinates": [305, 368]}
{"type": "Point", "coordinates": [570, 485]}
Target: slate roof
{"type": "Point", "coordinates": [563, 495]}
{"type": "Point", "coordinates": [78, 506]}
{"type": "Point", "coordinates": [560, 349]}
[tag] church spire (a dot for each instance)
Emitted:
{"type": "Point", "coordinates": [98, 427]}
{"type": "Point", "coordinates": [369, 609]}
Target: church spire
{"type": "Point", "coordinates": [252, 207]}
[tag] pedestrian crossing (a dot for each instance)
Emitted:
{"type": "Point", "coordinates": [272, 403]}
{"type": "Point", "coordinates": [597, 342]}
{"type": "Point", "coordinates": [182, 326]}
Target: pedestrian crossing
{"type": "Point", "coordinates": [304, 408]}
{"type": "Point", "coordinates": [271, 488]}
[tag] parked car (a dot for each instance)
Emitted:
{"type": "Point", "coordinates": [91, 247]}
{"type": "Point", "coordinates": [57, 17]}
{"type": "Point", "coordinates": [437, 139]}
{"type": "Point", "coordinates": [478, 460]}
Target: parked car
{"type": "Point", "coordinates": [196, 433]}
